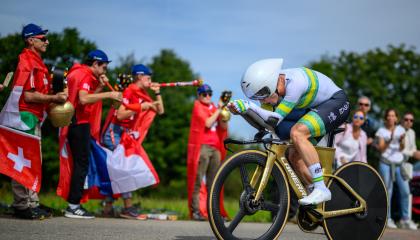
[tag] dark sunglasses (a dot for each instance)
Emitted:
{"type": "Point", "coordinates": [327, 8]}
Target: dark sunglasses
{"type": "Point", "coordinates": [43, 39]}
{"type": "Point", "coordinates": [408, 119]}
{"type": "Point", "coordinates": [262, 94]}
{"type": "Point", "coordinates": [358, 117]}
{"type": "Point", "coordinates": [364, 104]}
{"type": "Point", "coordinates": [205, 94]}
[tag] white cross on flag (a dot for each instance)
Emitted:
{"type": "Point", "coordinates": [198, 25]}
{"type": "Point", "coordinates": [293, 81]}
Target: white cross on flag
{"type": "Point", "coordinates": [20, 157]}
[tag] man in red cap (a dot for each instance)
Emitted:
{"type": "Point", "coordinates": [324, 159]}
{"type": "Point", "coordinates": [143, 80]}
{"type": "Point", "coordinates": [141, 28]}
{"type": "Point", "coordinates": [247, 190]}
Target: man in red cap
{"type": "Point", "coordinates": [85, 83]}
{"type": "Point", "coordinates": [205, 148]}
{"type": "Point", "coordinates": [31, 85]}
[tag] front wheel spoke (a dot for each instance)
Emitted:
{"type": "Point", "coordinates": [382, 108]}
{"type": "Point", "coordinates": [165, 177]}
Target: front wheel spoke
{"type": "Point", "coordinates": [269, 206]}
{"type": "Point", "coordinates": [236, 220]}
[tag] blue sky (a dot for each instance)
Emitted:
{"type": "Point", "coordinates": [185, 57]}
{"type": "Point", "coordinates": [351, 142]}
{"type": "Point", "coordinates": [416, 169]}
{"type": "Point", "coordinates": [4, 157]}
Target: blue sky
{"type": "Point", "coordinates": [221, 38]}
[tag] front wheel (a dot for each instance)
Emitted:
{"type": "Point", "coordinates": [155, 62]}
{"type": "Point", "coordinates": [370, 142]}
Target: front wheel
{"type": "Point", "coordinates": [366, 182]}
{"type": "Point", "coordinates": [231, 187]}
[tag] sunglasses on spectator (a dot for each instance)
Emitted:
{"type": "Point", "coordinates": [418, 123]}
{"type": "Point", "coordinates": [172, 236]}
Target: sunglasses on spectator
{"type": "Point", "coordinates": [43, 38]}
{"type": "Point", "coordinates": [205, 94]}
{"type": "Point", "coordinates": [364, 104]}
{"type": "Point", "coordinates": [408, 119]}
{"type": "Point", "coordinates": [361, 117]}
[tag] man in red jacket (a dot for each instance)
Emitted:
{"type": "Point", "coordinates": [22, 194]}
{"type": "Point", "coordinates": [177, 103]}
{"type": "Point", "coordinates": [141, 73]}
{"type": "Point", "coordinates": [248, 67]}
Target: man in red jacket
{"type": "Point", "coordinates": [32, 85]}
{"type": "Point", "coordinates": [205, 150]}
{"type": "Point", "coordinates": [85, 83]}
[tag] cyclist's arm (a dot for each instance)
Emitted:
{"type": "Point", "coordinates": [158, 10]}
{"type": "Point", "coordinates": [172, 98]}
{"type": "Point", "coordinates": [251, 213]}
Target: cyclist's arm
{"type": "Point", "coordinates": [280, 112]}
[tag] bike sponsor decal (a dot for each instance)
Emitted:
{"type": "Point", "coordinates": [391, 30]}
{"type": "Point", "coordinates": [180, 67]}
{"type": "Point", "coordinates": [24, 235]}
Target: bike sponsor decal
{"type": "Point", "coordinates": [294, 177]}
{"type": "Point", "coordinates": [332, 117]}
{"type": "Point", "coordinates": [344, 108]}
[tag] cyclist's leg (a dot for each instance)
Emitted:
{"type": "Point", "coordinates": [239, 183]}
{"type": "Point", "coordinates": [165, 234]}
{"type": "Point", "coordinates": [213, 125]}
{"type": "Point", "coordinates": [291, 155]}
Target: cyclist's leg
{"type": "Point", "coordinates": [301, 135]}
{"type": "Point", "coordinates": [320, 120]}
{"type": "Point", "coordinates": [299, 166]}
{"type": "Point", "coordinates": [284, 127]}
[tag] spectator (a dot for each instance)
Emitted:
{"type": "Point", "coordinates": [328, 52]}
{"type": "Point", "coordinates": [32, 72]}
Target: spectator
{"type": "Point", "coordinates": [33, 75]}
{"type": "Point", "coordinates": [205, 142]}
{"type": "Point", "coordinates": [135, 100]}
{"type": "Point", "coordinates": [370, 125]}
{"type": "Point", "coordinates": [410, 150]}
{"type": "Point", "coordinates": [390, 144]}
{"type": "Point", "coordinates": [351, 144]}
{"type": "Point", "coordinates": [85, 83]}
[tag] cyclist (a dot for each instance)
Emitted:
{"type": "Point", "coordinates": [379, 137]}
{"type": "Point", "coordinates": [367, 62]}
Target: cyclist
{"type": "Point", "coordinates": [304, 104]}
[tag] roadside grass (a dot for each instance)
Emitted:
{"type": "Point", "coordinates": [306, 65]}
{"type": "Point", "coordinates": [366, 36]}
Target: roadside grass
{"type": "Point", "coordinates": [145, 204]}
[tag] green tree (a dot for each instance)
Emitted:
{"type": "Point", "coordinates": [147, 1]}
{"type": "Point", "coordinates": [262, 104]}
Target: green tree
{"type": "Point", "coordinates": [65, 47]}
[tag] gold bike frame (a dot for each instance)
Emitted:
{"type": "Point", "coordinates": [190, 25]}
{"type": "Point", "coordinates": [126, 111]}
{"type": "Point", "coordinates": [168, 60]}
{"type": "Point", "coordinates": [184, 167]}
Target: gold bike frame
{"type": "Point", "coordinates": [276, 152]}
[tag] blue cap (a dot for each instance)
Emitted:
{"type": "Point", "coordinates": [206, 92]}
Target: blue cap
{"type": "Point", "coordinates": [205, 88]}
{"type": "Point", "coordinates": [31, 30]}
{"type": "Point", "coordinates": [140, 69]}
{"type": "Point", "coordinates": [98, 55]}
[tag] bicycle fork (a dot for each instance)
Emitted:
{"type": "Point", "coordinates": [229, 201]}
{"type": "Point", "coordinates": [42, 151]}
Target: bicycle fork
{"type": "Point", "coordinates": [272, 153]}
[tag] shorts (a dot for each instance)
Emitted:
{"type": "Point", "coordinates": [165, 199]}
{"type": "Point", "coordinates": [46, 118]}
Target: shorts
{"type": "Point", "coordinates": [320, 119]}
{"type": "Point", "coordinates": [328, 115]}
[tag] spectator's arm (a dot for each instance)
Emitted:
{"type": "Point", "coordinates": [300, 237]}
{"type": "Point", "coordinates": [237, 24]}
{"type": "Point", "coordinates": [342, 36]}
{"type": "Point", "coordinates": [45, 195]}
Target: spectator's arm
{"type": "Point", "coordinates": [124, 113]}
{"type": "Point", "coordinates": [382, 144]}
{"type": "Point", "coordinates": [410, 148]}
{"type": "Point", "coordinates": [37, 97]}
{"type": "Point", "coordinates": [86, 98]}
{"type": "Point", "coordinates": [213, 118]}
{"type": "Point", "coordinates": [363, 149]}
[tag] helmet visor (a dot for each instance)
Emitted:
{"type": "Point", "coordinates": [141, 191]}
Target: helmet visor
{"type": "Point", "coordinates": [263, 93]}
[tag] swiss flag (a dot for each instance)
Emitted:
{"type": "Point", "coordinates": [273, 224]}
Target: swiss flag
{"type": "Point", "coordinates": [20, 157]}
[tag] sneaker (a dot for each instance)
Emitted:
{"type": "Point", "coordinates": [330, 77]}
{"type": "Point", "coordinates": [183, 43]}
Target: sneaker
{"type": "Point", "coordinates": [47, 210]}
{"type": "Point", "coordinates": [390, 223]}
{"type": "Point", "coordinates": [31, 213]}
{"type": "Point", "coordinates": [131, 213]}
{"type": "Point", "coordinates": [316, 197]}
{"type": "Point", "coordinates": [408, 224]}
{"type": "Point", "coordinates": [198, 217]}
{"type": "Point", "coordinates": [79, 212]}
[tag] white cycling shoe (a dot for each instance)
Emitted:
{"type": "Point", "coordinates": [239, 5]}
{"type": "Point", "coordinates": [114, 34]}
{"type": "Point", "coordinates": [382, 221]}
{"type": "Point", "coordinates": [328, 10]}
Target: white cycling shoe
{"type": "Point", "coordinates": [317, 196]}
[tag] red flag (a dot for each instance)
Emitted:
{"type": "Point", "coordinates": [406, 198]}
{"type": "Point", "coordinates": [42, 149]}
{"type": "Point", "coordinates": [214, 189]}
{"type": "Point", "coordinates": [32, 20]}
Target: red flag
{"type": "Point", "coordinates": [20, 157]}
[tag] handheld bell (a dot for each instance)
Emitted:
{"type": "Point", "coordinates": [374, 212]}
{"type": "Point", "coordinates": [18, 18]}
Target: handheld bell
{"type": "Point", "coordinates": [61, 114]}
{"type": "Point", "coordinates": [225, 98]}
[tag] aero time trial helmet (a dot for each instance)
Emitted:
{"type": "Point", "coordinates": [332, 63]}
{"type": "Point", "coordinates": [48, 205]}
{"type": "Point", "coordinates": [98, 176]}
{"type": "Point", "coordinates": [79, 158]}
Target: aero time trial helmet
{"type": "Point", "coordinates": [260, 79]}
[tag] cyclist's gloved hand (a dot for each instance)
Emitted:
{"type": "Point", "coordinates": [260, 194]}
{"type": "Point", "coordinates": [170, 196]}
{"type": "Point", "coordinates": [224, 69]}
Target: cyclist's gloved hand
{"type": "Point", "coordinates": [238, 106]}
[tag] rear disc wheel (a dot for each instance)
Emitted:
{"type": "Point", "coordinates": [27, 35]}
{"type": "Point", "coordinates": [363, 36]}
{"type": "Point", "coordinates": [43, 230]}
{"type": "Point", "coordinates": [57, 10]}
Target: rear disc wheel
{"type": "Point", "coordinates": [366, 182]}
